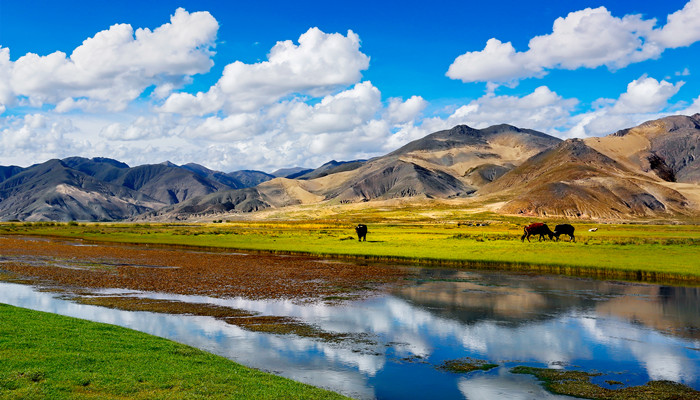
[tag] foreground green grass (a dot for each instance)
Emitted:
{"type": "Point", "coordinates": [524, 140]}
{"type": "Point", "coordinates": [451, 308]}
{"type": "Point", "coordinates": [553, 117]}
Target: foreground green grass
{"type": "Point", "coordinates": [646, 252]}
{"type": "Point", "coordinates": [47, 356]}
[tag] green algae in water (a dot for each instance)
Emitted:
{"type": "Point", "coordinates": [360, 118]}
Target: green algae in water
{"type": "Point", "coordinates": [466, 365]}
{"type": "Point", "coordinates": [578, 384]}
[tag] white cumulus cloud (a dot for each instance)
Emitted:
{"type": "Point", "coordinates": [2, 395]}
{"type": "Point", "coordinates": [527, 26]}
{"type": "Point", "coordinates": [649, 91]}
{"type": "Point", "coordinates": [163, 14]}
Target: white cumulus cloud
{"type": "Point", "coordinates": [646, 95]}
{"type": "Point", "coordinates": [693, 108]}
{"type": "Point", "coordinates": [645, 98]}
{"type": "Point", "coordinates": [320, 64]}
{"type": "Point", "coordinates": [143, 127]}
{"type": "Point", "coordinates": [682, 27]}
{"type": "Point", "coordinates": [542, 110]}
{"type": "Point", "coordinates": [233, 127]}
{"type": "Point", "coordinates": [341, 126]}
{"type": "Point", "coordinates": [6, 96]}
{"type": "Point", "coordinates": [36, 137]}
{"type": "Point", "coordinates": [591, 38]}
{"type": "Point", "coordinates": [115, 66]}
{"type": "Point", "coordinates": [400, 112]}
{"type": "Point", "coordinates": [336, 113]}
{"type": "Point", "coordinates": [497, 62]}
{"type": "Point", "coordinates": [685, 72]}
{"type": "Point", "coordinates": [587, 38]}
{"type": "Point", "coordinates": [353, 123]}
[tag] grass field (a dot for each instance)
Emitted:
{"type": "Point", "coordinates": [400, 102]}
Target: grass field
{"type": "Point", "coordinates": [47, 356]}
{"type": "Point", "coordinates": [621, 251]}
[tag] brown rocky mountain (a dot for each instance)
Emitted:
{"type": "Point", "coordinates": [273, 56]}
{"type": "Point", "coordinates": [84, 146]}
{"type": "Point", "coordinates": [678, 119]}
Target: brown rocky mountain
{"type": "Point", "coordinates": [230, 201]}
{"type": "Point", "coordinates": [79, 188]}
{"type": "Point", "coordinates": [651, 170]}
{"type": "Point", "coordinates": [446, 164]}
{"type": "Point", "coordinates": [329, 168]}
{"type": "Point", "coordinates": [641, 172]}
{"type": "Point", "coordinates": [53, 191]}
{"type": "Point", "coordinates": [475, 156]}
{"type": "Point", "coordinates": [575, 180]}
{"type": "Point", "coordinates": [668, 147]}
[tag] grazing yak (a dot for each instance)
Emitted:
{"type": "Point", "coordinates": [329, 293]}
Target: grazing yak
{"type": "Point", "coordinates": [361, 231]}
{"type": "Point", "coordinates": [538, 228]}
{"type": "Point", "coordinates": [565, 229]}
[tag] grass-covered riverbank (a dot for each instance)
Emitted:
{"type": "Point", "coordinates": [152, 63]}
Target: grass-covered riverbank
{"type": "Point", "coordinates": [47, 356]}
{"type": "Point", "coordinates": [655, 253]}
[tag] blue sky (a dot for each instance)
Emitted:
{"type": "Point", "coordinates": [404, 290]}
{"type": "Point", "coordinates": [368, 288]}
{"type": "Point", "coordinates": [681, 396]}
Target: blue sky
{"type": "Point", "coordinates": [270, 84]}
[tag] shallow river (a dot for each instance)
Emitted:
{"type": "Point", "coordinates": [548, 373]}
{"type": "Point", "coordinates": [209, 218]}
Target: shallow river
{"type": "Point", "coordinates": [631, 333]}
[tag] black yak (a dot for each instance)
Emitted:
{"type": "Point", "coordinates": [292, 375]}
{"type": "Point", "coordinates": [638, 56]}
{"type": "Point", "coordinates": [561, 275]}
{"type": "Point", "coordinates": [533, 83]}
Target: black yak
{"type": "Point", "coordinates": [361, 231]}
{"type": "Point", "coordinates": [565, 229]}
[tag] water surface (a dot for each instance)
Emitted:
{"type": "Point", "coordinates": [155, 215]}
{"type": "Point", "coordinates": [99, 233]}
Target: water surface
{"type": "Point", "coordinates": [632, 333]}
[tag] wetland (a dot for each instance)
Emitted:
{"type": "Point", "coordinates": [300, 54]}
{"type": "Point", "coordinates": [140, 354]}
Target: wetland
{"type": "Point", "coordinates": [371, 330]}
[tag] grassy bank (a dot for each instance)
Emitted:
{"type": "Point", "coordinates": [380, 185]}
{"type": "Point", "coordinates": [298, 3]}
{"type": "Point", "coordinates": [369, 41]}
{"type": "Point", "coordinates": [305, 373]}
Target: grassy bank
{"type": "Point", "coordinates": [47, 356]}
{"type": "Point", "coordinates": [641, 252]}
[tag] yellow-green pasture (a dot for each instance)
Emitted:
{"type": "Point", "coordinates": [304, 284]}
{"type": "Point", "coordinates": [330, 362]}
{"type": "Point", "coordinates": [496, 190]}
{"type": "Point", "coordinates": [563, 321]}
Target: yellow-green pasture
{"type": "Point", "coordinates": [648, 252]}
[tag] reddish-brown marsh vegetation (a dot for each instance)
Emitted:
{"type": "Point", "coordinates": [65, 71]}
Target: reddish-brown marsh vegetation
{"type": "Point", "coordinates": [78, 270]}
{"type": "Point", "coordinates": [218, 274]}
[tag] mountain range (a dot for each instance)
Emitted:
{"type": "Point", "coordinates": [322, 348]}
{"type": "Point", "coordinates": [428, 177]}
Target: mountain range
{"type": "Point", "coordinates": [648, 171]}
{"type": "Point", "coordinates": [102, 189]}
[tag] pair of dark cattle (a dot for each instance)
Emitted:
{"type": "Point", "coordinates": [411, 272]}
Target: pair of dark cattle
{"type": "Point", "coordinates": [361, 231]}
{"type": "Point", "coordinates": [541, 229]}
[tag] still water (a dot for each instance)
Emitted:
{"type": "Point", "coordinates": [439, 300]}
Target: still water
{"type": "Point", "coordinates": [632, 333]}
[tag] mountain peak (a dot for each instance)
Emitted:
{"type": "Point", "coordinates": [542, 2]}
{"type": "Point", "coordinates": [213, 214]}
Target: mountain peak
{"type": "Point", "coordinates": [111, 161]}
{"type": "Point", "coordinates": [668, 146]}
{"type": "Point", "coordinates": [197, 168]}
{"type": "Point", "coordinates": [664, 125]}
{"type": "Point", "coordinates": [287, 172]}
{"type": "Point", "coordinates": [463, 130]}
{"type": "Point", "coordinates": [501, 128]}
{"type": "Point", "coordinates": [676, 122]}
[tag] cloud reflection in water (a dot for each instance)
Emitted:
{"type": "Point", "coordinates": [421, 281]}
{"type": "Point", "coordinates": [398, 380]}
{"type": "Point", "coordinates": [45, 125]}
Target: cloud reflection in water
{"type": "Point", "coordinates": [548, 322]}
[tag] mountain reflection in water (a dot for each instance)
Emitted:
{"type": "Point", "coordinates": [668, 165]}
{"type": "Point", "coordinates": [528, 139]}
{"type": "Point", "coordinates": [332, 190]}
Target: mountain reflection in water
{"type": "Point", "coordinates": [631, 332]}
{"type": "Point", "coordinates": [517, 299]}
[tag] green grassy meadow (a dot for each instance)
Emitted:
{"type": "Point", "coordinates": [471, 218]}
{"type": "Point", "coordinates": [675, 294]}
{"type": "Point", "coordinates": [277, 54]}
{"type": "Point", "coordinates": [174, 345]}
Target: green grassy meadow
{"type": "Point", "coordinates": [47, 356]}
{"type": "Point", "coordinates": [621, 251]}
